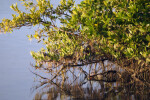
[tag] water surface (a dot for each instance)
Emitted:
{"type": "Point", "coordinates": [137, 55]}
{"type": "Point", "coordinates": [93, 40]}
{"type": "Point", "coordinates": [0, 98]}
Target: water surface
{"type": "Point", "coordinates": [16, 80]}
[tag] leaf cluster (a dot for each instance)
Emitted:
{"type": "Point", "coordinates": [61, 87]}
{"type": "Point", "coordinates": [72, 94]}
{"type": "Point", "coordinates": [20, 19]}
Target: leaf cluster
{"type": "Point", "coordinates": [120, 29]}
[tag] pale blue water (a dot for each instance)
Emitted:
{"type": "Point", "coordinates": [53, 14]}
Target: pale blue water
{"type": "Point", "coordinates": [15, 78]}
{"type": "Point", "coordinates": [16, 81]}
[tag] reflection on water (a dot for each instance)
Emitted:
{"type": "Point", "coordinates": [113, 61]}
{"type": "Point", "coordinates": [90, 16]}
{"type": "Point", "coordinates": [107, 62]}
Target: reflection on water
{"type": "Point", "coordinates": [93, 90]}
{"type": "Point", "coordinates": [74, 83]}
{"type": "Point", "coordinates": [15, 78]}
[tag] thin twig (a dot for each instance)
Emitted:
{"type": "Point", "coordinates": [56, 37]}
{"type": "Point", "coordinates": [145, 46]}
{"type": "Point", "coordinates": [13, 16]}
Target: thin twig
{"type": "Point", "coordinates": [57, 73]}
{"type": "Point", "coordinates": [38, 75]}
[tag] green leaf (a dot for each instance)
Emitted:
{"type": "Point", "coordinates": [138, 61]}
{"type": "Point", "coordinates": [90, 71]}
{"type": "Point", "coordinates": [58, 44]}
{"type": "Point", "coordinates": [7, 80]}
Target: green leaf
{"type": "Point", "coordinates": [148, 37]}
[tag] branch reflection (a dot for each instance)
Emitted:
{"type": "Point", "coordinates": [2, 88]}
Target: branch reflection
{"type": "Point", "coordinates": [76, 83]}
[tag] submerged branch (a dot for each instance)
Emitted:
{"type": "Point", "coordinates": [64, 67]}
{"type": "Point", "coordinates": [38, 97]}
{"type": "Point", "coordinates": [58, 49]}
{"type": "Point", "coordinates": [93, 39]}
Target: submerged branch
{"type": "Point", "coordinates": [38, 75]}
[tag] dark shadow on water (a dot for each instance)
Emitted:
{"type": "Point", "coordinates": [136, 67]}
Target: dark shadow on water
{"type": "Point", "coordinates": [76, 84]}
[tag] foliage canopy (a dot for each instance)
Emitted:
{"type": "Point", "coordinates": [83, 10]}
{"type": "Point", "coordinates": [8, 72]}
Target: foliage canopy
{"type": "Point", "coordinates": [93, 29]}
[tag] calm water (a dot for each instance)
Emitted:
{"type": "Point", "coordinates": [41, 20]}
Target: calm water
{"type": "Point", "coordinates": [16, 80]}
{"type": "Point", "coordinates": [18, 83]}
{"type": "Point", "coordinates": [74, 85]}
